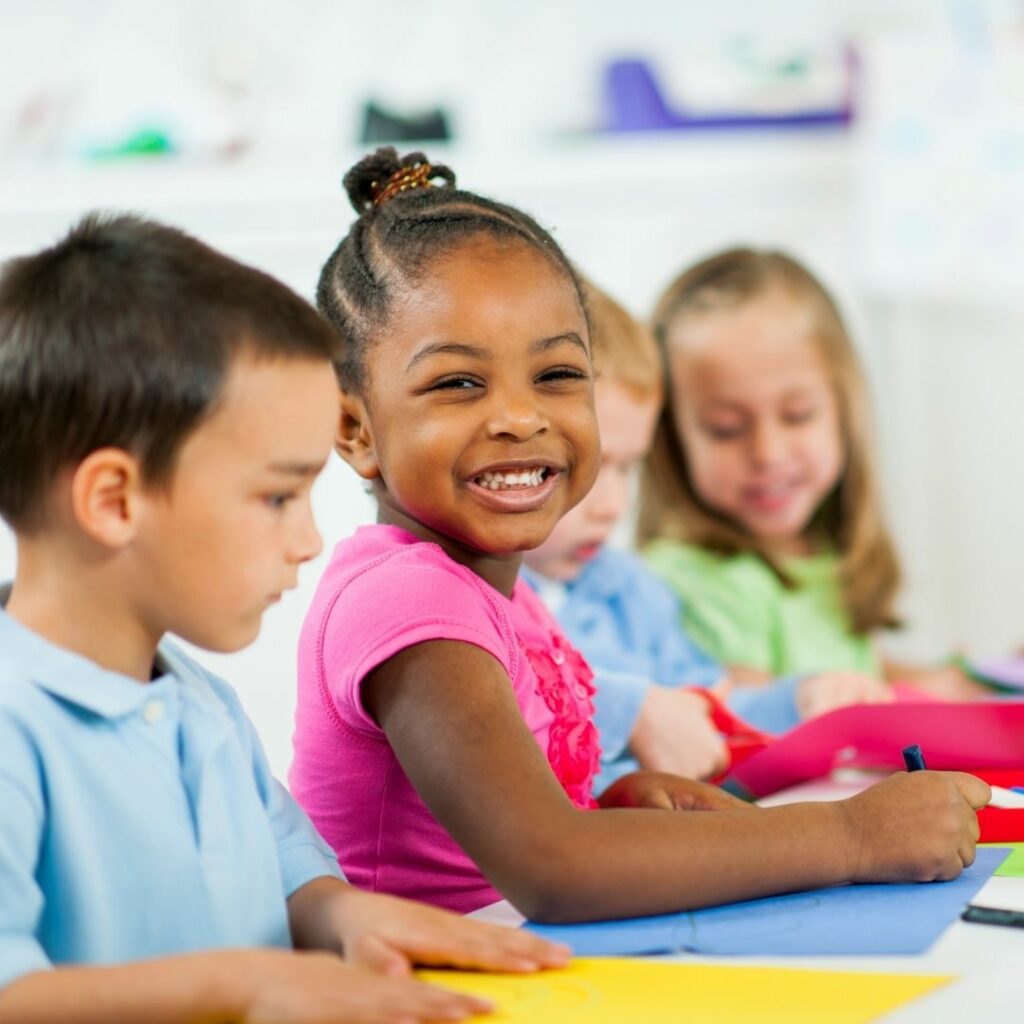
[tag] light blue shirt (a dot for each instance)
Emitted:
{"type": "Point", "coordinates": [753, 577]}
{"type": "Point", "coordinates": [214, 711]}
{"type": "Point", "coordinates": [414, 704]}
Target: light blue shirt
{"type": "Point", "coordinates": [136, 820]}
{"type": "Point", "coordinates": [626, 623]}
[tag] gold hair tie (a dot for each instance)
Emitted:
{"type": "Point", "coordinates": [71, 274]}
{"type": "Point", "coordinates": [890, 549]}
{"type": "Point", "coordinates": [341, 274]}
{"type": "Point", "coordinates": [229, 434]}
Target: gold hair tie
{"type": "Point", "coordinates": [416, 176]}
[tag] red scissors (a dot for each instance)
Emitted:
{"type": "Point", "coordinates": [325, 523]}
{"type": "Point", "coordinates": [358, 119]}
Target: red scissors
{"type": "Point", "coordinates": [742, 740]}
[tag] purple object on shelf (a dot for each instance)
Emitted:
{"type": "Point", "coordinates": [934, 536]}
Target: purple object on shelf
{"type": "Point", "coordinates": [634, 102]}
{"type": "Point", "coordinates": [1007, 672]}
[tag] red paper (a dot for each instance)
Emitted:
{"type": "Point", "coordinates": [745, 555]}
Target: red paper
{"type": "Point", "coordinates": [963, 736]}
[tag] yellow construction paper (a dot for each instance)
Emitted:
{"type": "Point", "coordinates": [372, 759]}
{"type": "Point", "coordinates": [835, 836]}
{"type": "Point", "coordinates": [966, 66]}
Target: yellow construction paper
{"type": "Point", "coordinates": [622, 990]}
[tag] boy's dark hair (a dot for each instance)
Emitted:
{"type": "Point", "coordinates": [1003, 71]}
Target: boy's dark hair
{"type": "Point", "coordinates": [121, 335]}
{"type": "Point", "coordinates": [404, 222]}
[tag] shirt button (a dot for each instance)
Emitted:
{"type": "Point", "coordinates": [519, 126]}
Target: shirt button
{"type": "Point", "coordinates": [557, 656]}
{"type": "Point", "coordinates": [153, 711]}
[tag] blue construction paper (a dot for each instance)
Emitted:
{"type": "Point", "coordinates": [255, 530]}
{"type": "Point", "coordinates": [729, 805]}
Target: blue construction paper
{"type": "Point", "coordinates": [846, 919]}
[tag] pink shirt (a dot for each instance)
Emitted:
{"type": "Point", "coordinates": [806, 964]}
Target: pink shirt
{"type": "Point", "coordinates": [383, 591]}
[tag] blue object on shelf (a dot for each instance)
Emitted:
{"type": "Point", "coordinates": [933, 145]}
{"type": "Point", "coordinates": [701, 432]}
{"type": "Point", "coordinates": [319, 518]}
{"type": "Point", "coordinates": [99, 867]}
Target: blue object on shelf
{"type": "Point", "coordinates": [633, 101]}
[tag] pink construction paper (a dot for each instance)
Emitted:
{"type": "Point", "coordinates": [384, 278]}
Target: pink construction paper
{"type": "Point", "coordinates": [955, 736]}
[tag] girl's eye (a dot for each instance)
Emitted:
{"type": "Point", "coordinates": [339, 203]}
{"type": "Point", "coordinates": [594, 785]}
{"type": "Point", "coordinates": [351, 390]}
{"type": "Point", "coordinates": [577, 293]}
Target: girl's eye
{"type": "Point", "coordinates": [798, 416]}
{"type": "Point", "coordinates": [721, 433]}
{"type": "Point", "coordinates": [454, 384]}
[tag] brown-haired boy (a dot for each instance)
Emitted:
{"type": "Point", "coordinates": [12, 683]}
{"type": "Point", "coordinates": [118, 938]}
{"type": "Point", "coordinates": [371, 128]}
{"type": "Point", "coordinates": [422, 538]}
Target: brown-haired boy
{"type": "Point", "coordinates": [164, 412]}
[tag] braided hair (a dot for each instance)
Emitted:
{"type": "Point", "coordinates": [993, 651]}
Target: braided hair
{"type": "Point", "coordinates": [404, 222]}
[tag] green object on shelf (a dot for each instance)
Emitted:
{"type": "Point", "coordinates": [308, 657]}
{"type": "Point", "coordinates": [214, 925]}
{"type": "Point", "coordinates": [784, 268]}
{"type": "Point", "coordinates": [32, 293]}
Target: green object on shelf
{"type": "Point", "coordinates": [144, 142]}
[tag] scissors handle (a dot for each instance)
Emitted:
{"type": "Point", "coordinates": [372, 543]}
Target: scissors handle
{"type": "Point", "coordinates": [742, 740]}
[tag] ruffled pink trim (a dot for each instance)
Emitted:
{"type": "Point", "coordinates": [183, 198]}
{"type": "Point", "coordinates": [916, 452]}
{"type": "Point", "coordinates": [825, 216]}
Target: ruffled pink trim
{"type": "Point", "coordinates": [564, 680]}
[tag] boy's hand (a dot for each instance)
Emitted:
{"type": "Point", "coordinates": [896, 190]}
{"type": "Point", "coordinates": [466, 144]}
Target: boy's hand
{"type": "Point", "coordinates": [915, 827]}
{"type": "Point", "coordinates": [830, 690]}
{"type": "Point", "coordinates": [389, 935]}
{"type": "Point", "coordinates": [674, 734]}
{"type": "Point", "coordinates": [319, 988]}
{"type": "Point", "coordinates": [669, 793]}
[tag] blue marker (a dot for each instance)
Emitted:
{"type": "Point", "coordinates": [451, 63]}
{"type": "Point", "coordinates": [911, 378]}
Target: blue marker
{"type": "Point", "coordinates": [913, 758]}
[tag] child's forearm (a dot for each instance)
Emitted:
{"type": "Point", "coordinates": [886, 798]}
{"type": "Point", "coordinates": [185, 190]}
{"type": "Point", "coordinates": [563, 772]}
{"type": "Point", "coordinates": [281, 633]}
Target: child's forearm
{"type": "Point", "coordinates": [316, 913]}
{"type": "Point", "coordinates": [174, 990]}
{"type": "Point", "coordinates": [619, 863]}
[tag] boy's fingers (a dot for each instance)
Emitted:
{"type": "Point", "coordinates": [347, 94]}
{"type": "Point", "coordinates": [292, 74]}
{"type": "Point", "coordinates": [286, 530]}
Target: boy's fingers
{"type": "Point", "coordinates": [533, 947]}
{"type": "Point", "coordinates": [488, 947]}
{"type": "Point", "coordinates": [410, 999]}
{"type": "Point", "coordinates": [515, 949]}
{"type": "Point", "coordinates": [380, 957]}
{"type": "Point", "coordinates": [444, 1004]}
{"type": "Point", "coordinates": [722, 688]}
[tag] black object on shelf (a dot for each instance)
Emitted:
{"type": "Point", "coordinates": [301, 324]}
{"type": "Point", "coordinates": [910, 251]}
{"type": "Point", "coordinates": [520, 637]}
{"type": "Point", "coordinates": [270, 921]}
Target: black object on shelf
{"type": "Point", "coordinates": [380, 125]}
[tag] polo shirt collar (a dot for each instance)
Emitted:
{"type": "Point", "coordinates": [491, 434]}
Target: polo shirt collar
{"type": "Point", "coordinates": [73, 677]}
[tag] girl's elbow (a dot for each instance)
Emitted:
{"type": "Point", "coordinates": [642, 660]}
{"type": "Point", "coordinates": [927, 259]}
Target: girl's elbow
{"type": "Point", "coordinates": [543, 874]}
{"type": "Point", "coordinates": [547, 891]}
{"type": "Point", "coordinates": [555, 909]}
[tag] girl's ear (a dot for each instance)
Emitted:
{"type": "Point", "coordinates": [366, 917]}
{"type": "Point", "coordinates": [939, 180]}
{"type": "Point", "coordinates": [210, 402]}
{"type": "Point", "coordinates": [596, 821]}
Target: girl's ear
{"type": "Point", "coordinates": [106, 489]}
{"type": "Point", "coordinates": [354, 440]}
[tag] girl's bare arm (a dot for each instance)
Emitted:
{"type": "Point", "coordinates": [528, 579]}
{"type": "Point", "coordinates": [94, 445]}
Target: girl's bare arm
{"type": "Point", "coordinates": [449, 712]}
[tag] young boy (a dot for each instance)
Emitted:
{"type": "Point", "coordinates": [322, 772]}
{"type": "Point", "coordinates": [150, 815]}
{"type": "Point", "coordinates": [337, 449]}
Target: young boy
{"type": "Point", "coordinates": [624, 620]}
{"type": "Point", "coordinates": [164, 412]}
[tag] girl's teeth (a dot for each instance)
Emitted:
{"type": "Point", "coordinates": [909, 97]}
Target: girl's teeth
{"type": "Point", "coordinates": [497, 481]}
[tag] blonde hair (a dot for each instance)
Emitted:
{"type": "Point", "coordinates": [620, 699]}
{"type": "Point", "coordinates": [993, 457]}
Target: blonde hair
{"type": "Point", "coordinates": [851, 516]}
{"type": "Point", "coordinates": [623, 347]}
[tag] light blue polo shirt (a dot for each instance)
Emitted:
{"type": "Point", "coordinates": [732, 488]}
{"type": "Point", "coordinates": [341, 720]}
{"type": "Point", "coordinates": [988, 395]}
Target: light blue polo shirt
{"type": "Point", "coordinates": [136, 820]}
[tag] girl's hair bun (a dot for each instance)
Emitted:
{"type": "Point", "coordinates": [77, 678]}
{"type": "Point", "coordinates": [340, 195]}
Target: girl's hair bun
{"type": "Point", "coordinates": [368, 178]}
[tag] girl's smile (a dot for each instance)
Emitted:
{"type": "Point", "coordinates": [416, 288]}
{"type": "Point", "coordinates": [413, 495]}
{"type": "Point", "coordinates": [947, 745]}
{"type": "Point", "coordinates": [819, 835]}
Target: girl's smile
{"type": "Point", "coordinates": [477, 423]}
{"type": "Point", "coordinates": [516, 488]}
{"type": "Point", "coordinates": [774, 496]}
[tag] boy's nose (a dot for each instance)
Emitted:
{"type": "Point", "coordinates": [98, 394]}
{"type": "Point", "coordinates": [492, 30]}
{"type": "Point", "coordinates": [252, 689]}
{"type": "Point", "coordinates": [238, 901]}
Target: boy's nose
{"type": "Point", "coordinates": [307, 542]}
{"type": "Point", "coordinates": [607, 499]}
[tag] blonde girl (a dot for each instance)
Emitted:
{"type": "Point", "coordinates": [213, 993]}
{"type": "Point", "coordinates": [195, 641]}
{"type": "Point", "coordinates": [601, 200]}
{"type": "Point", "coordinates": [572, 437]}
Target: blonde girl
{"type": "Point", "coordinates": [760, 501]}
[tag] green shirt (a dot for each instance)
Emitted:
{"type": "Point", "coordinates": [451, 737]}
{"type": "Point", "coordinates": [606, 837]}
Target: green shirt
{"type": "Point", "coordinates": [738, 610]}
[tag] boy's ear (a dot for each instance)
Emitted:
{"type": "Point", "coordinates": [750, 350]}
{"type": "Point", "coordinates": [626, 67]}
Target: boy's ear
{"type": "Point", "coordinates": [354, 440]}
{"type": "Point", "coordinates": [105, 491]}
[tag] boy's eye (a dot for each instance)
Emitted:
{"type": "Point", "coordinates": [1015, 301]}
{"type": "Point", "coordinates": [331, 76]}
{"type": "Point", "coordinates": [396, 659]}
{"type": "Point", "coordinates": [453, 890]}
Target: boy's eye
{"type": "Point", "coordinates": [278, 501]}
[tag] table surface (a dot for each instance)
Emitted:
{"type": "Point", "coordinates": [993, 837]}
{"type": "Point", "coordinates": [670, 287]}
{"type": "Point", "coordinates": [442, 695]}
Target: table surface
{"type": "Point", "coordinates": [988, 960]}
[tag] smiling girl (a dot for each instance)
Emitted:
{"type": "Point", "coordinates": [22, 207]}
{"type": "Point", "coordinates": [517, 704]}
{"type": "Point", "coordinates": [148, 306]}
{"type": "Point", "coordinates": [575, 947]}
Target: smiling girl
{"type": "Point", "coordinates": [444, 743]}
